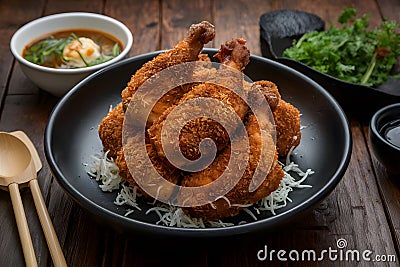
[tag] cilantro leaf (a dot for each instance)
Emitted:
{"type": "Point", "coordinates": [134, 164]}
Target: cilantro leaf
{"type": "Point", "coordinates": [351, 53]}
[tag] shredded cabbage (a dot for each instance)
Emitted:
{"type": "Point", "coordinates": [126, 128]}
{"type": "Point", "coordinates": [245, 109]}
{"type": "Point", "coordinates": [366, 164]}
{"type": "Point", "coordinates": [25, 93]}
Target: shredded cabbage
{"type": "Point", "coordinates": [105, 171]}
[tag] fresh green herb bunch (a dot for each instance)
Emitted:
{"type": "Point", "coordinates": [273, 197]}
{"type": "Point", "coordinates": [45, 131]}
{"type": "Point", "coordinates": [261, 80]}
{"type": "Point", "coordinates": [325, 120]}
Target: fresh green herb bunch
{"type": "Point", "coordinates": [351, 53]}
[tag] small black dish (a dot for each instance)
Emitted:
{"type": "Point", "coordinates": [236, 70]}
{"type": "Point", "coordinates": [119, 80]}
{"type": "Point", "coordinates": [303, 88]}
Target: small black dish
{"type": "Point", "coordinates": [383, 131]}
{"type": "Point", "coordinates": [279, 28]}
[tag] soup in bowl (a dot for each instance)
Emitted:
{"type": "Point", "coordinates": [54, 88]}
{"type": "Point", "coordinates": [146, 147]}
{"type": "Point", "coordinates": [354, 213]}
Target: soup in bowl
{"type": "Point", "coordinates": [58, 51]}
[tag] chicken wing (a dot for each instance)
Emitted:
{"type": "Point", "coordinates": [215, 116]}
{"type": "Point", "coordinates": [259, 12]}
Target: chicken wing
{"type": "Point", "coordinates": [110, 128]}
{"type": "Point", "coordinates": [110, 131]}
{"type": "Point", "coordinates": [233, 54]}
{"type": "Point", "coordinates": [268, 89]}
{"type": "Point", "coordinates": [286, 116]}
{"type": "Point", "coordinates": [163, 168]}
{"type": "Point", "coordinates": [287, 123]}
{"type": "Point", "coordinates": [185, 51]}
{"type": "Point", "coordinates": [240, 195]}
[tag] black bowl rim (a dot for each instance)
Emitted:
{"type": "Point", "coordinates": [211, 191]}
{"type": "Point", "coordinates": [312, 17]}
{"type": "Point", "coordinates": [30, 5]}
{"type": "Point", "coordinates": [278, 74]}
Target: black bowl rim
{"type": "Point", "coordinates": [381, 113]}
{"type": "Point", "coordinates": [337, 80]}
{"type": "Point", "coordinates": [145, 227]}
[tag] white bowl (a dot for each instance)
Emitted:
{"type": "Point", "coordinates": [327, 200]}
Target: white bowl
{"type": "Point", "coordinates": [60, 81]}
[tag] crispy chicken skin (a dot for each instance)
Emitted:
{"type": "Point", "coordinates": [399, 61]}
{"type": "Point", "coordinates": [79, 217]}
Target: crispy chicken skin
{"type": "Point", "coordinates": [287, 123]}
{"type": "Point", "coordinates": [233, 54]}
{"type": "Point", "coordinates": [286, 116]}
{"type": "Point", "coordinates": [173, 96]}
{"type": "Point", "coordinates": [268, 89]}
{"type": "Point", "coordinates": [110, 128]}
{"type": "Point", "coordinates": [240, 194]}
{"type": "Point", "coordinates": [110, 131]}
{"type": "Point", "coordinates": [164, 168]}
{"type": "Point", "coordinates": [185, 51]}
{"type": "Point", "coordinates": [200, 128]}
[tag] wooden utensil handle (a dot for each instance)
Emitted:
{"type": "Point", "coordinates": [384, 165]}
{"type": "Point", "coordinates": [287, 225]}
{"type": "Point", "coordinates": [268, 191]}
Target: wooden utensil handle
{"type": "Point", "coordinates": [23, 229]}
{"type": "Point", "coordinates": [47, 226]}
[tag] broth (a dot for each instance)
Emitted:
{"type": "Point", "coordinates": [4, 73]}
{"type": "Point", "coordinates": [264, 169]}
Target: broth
{"type": "Point", "coordinates": [55, 59]}
{"type": "Point", "coordinates": [391, 132]}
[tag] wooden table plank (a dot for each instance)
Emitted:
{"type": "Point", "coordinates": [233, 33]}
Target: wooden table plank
{"type": "Point", "coordinates": [178, 15]}
{"type": "Point", "coordinates": [36, 109]}
{"type": "Point", "coordinates": [55, 6]}
{"type": "Point", "coordinates": [142, 18]}
{"type": "Point", "coordinates": [240, 19]}
{"type": "Point", "coordinates": [389, 186]}
{"type": "Point", "coordinates": [12, 16]}
{"type": "Point", "coordinates": [390, 9]}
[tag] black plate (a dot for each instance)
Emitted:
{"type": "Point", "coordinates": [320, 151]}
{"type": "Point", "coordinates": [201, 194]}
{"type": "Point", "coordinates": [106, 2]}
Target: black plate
{"type": "Point", "coordinates": [71, 139]}
{"type": "Point", "coordinates": [279, 28]}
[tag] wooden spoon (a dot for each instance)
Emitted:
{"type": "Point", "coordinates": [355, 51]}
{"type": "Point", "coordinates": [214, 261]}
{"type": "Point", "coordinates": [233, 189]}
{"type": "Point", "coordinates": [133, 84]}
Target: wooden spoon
{"type": "Point", "coordinates": [21, 165]}
{"type": "Point", "coordinates": [16, 167]}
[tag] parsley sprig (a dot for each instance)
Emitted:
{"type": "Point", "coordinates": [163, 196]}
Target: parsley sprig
{"type": "Point", "coordinates": [351, 52]}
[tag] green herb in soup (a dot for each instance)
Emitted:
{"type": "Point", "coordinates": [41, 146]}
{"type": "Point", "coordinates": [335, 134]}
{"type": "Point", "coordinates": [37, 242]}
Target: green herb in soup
{"type": "Point", "coordinates": [73, 49]}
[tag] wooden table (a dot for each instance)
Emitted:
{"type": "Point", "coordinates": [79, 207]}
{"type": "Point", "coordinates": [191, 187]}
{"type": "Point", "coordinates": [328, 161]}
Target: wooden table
{"type": "Point", "coordinates": [364, 209]}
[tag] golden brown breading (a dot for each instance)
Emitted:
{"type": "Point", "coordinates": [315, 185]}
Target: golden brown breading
{"type": "Point", "coordinates": [185, 51]}
{"type": "Point", "coordinates": [110, 131]}
{"type": "Point", "coordinates": [234, 54]}
{"type": "Point", "coordinates": [287, 122]}
{"type": "Point", "coordinates": [164, 169]}
{"type": "Point", "coordinates": [173, 96]}
{"type": "Point", "coordinates": [240, 194]}
{"type": "Point", "coordinates": [286, 116]}
{"type": "Point", "coordinates": [167, 100]}
{"type": "Point", "coordinates": [200, 128]}
{"type": "Point", "coordinates": [268, 89]}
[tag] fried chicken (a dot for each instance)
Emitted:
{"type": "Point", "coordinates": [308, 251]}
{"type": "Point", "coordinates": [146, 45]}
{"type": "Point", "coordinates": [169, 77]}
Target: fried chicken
{"type": "Point", "coordinates": [110, 128]}
{"type": "Point", "coordinates": [266, 160]}
{"type": "Point", "coordinates": [185, 51]}
{"type": "Point", "coordinates": [287, 123]}
{"type": "Point", "coordinates": [286, 116]}
{"type": "Point", "coordinates": [233, 54]}
{"type": "Point", "coordinates": [259, 174]}
{"type": "Point", "coordinates": [173, 96]}
{"type": "Point", "coordinates": [110, 131]}
{"type": "Point", "coordinates": [268, 89]}
{"type": "Point", "coordinates": [153, 181]}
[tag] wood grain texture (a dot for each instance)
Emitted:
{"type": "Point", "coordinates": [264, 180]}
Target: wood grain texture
{"type": "Point", "coordinates": [390, 9]}
{"type": "Point", "coordinates": [12, 16]}
{"type": "Point", "coordinates": [142, 18]}
{"type": "Point", "coordinates": [240, 19]}
{"type": "Point", "coordinates": [178, 15]}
